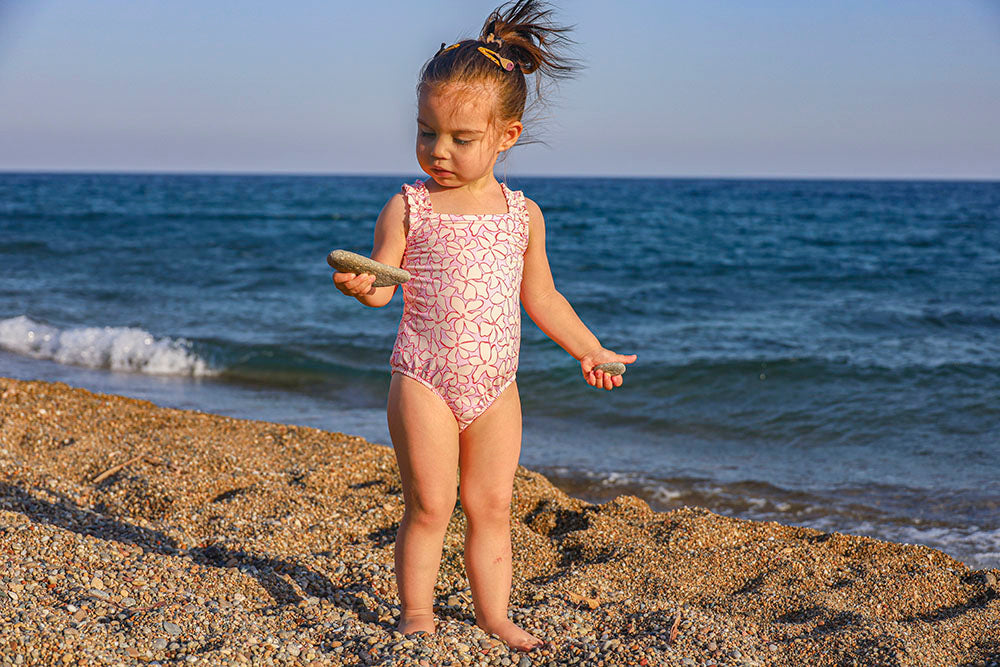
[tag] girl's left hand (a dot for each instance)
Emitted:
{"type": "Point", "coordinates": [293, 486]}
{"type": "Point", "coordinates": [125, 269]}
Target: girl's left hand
{"type": "Point", "coordinates": [598, 378]}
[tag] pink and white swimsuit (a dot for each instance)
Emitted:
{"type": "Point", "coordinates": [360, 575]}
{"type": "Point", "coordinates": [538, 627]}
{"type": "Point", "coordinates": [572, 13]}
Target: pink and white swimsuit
{"type": "Point", "coordinates": [460, 333]}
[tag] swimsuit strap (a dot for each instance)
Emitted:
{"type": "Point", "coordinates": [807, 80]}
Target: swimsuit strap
{"type": "Point", "coordinates": [517, 205]}
{"type": "Point", "coordinates": [418, 203]}
{"type": "Point", "coordinates": [515, 201]}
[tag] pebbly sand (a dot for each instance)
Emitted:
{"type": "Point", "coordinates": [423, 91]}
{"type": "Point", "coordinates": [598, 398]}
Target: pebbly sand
{"type": "Point", "coordinates": [223, 541]}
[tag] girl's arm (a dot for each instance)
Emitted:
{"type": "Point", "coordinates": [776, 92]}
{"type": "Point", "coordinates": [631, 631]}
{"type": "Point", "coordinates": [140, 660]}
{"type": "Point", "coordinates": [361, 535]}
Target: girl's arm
{"type": "Point", "coordinates": [390, 242]}
{"type": "Point", "coordinates": [555, 316]}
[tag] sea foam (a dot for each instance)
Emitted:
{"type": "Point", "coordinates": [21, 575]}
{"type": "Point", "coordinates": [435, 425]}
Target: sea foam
{"type": "Point", "coordinates": [127, 349]}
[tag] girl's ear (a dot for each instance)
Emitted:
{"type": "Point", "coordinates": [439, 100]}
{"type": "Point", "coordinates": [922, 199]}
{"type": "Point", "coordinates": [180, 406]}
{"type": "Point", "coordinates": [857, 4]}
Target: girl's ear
{"type": "Point", "coordinates": [510, 134]}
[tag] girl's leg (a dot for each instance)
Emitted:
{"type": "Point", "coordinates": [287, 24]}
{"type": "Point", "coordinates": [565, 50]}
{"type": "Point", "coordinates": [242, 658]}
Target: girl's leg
{"type": "Point", "coordinates": [425, 438]}
{"type": "Point", "coordinates": [489, 449]}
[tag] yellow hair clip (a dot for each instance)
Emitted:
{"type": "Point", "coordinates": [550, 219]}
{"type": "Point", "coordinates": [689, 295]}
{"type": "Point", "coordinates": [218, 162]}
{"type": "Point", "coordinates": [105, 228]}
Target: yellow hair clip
{"type": "Point", "coordinates": [497, 58]}
{"type": "Point", "coordinates": [453, 46]}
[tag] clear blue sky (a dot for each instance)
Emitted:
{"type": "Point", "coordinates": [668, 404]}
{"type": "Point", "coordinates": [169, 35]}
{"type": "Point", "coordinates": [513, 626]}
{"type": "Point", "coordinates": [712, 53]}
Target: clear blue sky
{"type": "Point", "coordinates": [811, 88]}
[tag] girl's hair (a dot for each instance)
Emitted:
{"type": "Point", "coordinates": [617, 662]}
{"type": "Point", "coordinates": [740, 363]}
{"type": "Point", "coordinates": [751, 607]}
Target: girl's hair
{"type": "Point", "coordinates": [520, 32]}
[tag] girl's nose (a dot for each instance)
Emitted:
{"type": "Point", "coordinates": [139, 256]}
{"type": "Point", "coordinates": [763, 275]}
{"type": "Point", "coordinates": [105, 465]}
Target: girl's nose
{"type": "Point", "coordinates": [437, 150]}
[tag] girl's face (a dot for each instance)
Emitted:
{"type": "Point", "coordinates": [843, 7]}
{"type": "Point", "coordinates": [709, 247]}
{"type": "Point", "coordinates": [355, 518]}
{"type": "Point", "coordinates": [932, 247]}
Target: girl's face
{"type": "Point", "coordinates": [457, 144]}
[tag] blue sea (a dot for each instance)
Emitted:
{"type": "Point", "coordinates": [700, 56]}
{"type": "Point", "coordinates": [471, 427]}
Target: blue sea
{"type": "Point", "coordinates": [819, 353]}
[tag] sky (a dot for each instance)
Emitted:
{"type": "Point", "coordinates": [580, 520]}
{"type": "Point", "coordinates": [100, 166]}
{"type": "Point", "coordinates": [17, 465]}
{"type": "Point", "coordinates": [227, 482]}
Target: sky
{"type": "Point", "coordinates": [713, 88]}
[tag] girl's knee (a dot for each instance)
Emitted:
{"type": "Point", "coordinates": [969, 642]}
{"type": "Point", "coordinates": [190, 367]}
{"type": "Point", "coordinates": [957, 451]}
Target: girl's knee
{"type": "Point", "coordinates": [486, 505]}
{"type": "Point", "coordinates": [430, 510]}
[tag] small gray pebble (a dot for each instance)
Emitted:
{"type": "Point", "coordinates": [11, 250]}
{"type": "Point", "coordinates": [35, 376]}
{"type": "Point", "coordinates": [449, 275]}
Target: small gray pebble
{"type": "Point", "coordinates": [159, 643]}
{"type": "Point", "coordinates": [171, 628]}
{"type": "Point", "coordinates": [611, 368]}
{"type": "Point", "coordinates": [991, 579]}
{"type": "Point", "coordinates": [524, 662]}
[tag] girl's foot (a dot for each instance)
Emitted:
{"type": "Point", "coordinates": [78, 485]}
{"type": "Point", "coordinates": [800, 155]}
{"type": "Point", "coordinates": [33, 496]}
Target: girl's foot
{"type": "Point", "coordinates": [412, 624]}
{"type": "Point", "coordinates": [515, 637]}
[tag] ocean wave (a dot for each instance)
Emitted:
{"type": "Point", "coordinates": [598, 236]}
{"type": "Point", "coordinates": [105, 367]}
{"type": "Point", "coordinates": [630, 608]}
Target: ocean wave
{"type": "Point", "coordinates": [127, 349]}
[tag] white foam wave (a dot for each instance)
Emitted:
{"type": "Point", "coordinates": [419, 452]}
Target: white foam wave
{"type": "Point", "coordinates": [115, 348]}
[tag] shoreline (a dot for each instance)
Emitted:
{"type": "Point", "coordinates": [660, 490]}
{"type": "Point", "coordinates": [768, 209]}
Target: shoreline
{"type": "Point", "coordinates": [219, 531]}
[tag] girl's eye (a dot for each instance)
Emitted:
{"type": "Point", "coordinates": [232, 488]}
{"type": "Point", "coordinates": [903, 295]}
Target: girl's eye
{"type": "Point", "coordinates": [461, 142]}
{"type": "Point", "coordinates": [426, 134]}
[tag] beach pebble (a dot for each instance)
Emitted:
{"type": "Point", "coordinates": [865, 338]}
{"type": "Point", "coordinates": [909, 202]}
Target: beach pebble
{"type": "Point", "coordinates": [611, 368]}
{"type": "Point", "coordinates": [346, 261]}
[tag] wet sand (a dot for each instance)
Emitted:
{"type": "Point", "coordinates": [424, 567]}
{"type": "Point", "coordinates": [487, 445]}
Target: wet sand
{"type": "Point", "coordinates": [132, 533]}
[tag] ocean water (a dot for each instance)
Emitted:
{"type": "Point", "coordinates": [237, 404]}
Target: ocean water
{"type": "Point", "coordinates": [817, 353]}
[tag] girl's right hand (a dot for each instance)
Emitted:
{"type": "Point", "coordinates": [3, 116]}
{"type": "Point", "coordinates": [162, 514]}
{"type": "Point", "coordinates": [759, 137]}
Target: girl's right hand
{"type": "Point", "coordinates": [354, 285]}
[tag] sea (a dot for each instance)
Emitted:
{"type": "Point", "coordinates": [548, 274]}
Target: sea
{"type": "Point", "coordinates": [818, 353]}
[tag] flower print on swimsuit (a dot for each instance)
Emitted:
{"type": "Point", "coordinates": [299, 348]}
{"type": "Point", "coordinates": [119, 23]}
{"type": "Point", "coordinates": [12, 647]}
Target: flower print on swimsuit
{"type": "Point", "coordinates": [462, 308]}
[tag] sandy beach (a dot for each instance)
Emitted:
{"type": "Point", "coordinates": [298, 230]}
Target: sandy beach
{"type": "Point", "coordinates": [132, 533]}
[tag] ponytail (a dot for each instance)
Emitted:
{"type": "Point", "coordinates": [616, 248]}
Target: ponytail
{"type": "Point", "coordinates": [531, 37]}
{"type": "Point", "coordinates": [519, 38]}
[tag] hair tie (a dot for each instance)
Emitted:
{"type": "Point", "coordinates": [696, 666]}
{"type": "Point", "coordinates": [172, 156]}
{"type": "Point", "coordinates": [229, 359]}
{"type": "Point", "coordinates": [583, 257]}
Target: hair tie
{"type": "Point", "coordinates": [502, 63]}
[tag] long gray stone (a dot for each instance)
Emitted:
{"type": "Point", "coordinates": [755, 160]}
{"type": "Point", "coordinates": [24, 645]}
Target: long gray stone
{"type": "Point", "coordinates": [611, 368]}
{"type": "Point", "coordinates": [346, 261]}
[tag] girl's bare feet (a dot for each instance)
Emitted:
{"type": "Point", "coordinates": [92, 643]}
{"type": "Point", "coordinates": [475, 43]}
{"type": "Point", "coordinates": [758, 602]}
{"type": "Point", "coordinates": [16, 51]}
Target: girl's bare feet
{"type": "Point", "coordinates": [416, 622]}
{"type": "Point", "coordinates": [515, 637]}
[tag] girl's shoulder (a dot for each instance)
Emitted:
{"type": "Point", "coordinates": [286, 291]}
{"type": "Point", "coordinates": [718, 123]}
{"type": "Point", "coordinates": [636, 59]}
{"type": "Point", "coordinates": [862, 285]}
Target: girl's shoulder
{"type": "Point", "coordinates": [534, 210]}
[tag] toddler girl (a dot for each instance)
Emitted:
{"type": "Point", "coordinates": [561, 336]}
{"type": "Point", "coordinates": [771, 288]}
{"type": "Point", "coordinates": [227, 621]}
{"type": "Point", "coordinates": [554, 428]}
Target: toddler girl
{"type": "Point", "coordinates": [476, 251]}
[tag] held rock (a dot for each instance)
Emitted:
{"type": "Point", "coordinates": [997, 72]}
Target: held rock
{"type": "Point", "coordinates": [346, 261]}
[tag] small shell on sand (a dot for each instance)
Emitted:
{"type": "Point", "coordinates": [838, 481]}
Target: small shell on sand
{"type": "Point", "coordinates": [611, 368]}
{"type": "Point", "coordinates": [346, 261]}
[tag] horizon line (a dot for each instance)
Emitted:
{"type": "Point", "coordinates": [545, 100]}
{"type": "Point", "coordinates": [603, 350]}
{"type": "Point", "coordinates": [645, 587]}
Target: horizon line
{"type": "Point", "coordinates": [322, 174]}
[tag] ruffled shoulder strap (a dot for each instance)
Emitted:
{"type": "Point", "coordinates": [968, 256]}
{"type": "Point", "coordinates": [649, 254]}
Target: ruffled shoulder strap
{"type": "Point", "coordinates": [518, 207]}
{"type": "Point", "coordinates": [418, 203]}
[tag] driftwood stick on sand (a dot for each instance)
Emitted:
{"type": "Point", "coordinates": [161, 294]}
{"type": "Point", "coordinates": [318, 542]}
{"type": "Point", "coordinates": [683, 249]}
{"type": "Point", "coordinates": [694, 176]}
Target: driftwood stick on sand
{"type": "Point", "coordinates": [673, 628]}
{"type": "Point", "coordinates": [113, 469]}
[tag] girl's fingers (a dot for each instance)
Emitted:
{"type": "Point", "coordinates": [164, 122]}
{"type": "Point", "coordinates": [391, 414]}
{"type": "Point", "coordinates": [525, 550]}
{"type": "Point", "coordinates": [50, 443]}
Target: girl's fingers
{"type": "Point", "coordinates": [604, 381]}
{"type": "Point", "coordinates": [617, 380]}
{"type": "Point", "coordinates": [362, 284]}
{"type": "Point", "coordinates": [354, 284]}
{"type": "Point", "coordinates": [341, 278]}
{"type": "Point", "coordinates": [608, 382]}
